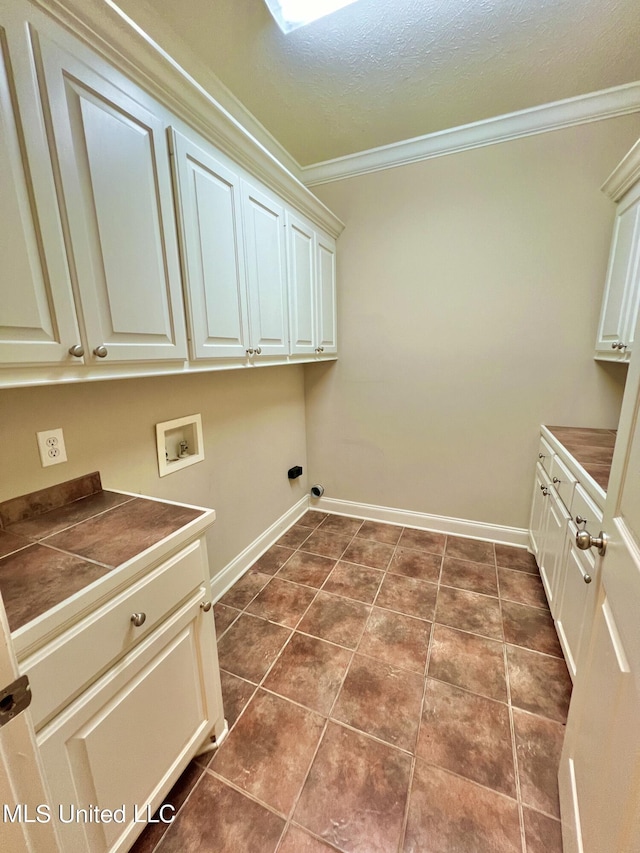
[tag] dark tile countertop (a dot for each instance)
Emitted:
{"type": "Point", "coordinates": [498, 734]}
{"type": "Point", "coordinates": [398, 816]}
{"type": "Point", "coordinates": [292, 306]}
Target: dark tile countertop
{"type": "Point", "coordinates": [57, 541]}
{"type": "Point", "coordinates": [591, 448]}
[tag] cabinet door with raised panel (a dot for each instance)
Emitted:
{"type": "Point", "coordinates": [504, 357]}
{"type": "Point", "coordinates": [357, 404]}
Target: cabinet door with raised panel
{"type": "Point", "coordinates": [539, 511]}
{"type": "Point", "coordinates": [266, 272]}
{"type": "Point", "coordinates": [125, 741]}
{"type": "Point", "coordinates": [622, 288]}
{"type": "Point", "coordinates": [37, 311]}
{"type": "Point", "coordinates": [213, 258]}
{"type": "Point", "coordinates": [113, 161]}
{"type": "Point", "coordinates": [554, 549]}
{"type": "Point", "coordinates": [301, 246]}
{"type": "Point", "coordinates": [326, 286]}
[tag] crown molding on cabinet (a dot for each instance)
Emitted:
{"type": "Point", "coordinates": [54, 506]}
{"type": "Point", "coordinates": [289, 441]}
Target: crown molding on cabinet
{"type": "Point", "coordinates": [102, 26]}
{"type": "Point", "coordinates": [608, 103]}
{"type": "Point", "coordinates": [624, 176]}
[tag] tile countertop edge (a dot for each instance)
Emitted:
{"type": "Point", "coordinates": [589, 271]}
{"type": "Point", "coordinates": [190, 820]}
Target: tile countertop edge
{"type": "Point", "coordinates": [40, 630]}
{"type": "Point", "coordinates": [593, 489]}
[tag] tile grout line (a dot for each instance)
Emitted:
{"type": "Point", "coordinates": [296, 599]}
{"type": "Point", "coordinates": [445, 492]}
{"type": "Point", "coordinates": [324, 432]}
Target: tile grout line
{"type": "Point", "coordinates": [512, 730]}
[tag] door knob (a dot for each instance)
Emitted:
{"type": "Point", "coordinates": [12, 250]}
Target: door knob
{"type": "Point", "coordinates": [584, 541]}
{"type": "Point", "coordinates": [100, 351]}
{"type": "Point", "coordinates": [76, 350]}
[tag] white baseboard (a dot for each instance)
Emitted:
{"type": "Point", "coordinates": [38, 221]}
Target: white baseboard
{"type": "Point", "coordinates": [516, 536]}
{"type": "Point", "coordinates": [234, 570]}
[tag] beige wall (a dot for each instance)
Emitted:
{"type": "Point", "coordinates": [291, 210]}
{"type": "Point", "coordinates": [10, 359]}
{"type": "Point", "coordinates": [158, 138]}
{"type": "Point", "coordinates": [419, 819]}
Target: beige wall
{"type": "Point", "coordinates": [254, 430]}
{"type": "Point", "coordinates": [469, 293]}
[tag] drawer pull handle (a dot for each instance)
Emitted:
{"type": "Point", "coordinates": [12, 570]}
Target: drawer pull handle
{"type": "Point", "coordinates": [556, 480]}
{"type": "Point", "coordinates": [206, 606]}
{"type": "Point", "coordinates": [139, 619]}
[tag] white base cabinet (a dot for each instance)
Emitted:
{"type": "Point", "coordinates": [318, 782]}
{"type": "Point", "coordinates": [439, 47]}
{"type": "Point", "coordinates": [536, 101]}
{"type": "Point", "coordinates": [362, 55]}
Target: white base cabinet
{"type": "Point", "coordinates": [126, 690]}
{"type": "Point", "coordinates": [564, 499]}
{"type": "Point", "coordinates": [123, 742]}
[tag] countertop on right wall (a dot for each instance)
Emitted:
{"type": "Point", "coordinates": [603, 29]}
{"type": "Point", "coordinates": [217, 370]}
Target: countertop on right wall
{"type": "Point", "coordinates": [591, 448]}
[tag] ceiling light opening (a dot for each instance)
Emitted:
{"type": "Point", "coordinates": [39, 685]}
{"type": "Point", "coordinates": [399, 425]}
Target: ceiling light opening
{"type": "Point", "coordinates": [291, 14]}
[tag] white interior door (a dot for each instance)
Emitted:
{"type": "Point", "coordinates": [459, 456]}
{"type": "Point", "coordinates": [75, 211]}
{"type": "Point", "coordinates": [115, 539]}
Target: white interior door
{"type": "Point", "coordinates": [600, 764]}
{"type": "Point", "coordinates": [23, 827]}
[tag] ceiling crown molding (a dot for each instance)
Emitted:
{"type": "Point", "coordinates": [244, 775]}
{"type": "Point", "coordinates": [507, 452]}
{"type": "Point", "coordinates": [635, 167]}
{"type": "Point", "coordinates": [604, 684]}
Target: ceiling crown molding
{"type": "Point", "coordinates": [608, 103]}
{"type": "Point", "coordinates": [624, 176]}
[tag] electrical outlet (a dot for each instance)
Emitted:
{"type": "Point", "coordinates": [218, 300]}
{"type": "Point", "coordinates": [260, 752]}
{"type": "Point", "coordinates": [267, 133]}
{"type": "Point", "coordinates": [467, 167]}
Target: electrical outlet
{"type": "Point", "coordinates": [51, 447]}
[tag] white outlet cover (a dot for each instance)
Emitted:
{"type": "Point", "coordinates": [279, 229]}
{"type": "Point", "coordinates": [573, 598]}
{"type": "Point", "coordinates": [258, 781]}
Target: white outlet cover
{"type": "Point", "coordinates": [51, 447]}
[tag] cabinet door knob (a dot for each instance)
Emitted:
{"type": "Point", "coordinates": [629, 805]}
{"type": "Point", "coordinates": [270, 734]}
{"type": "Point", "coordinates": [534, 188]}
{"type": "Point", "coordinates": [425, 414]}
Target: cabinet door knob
{"type": "Point", "coordinates": [545, 491]}
{"type": "Point", "coordinates": [138, 619]}
{"type": "Point", "coordinates": [76, 350]}
{"type": "Point", "coordinates": [615, 344]}
{"type": "Point", "coordinates": [258, 350]}
{"type": "Point", "coordinates": [541, 456]}
{"type": "Point", "coordinates": [320, 349]}
{"type": "Point", "coordinates": [249, 351]}
{"type": "Point", "coordinates": [586, 578]}
{"type": "Point", "coordinates": [205, 606]}
{"type": "Point", "coordinates": [580, 519]}
{"type": "Point", "coordinates": [101, 351]}
{"type": "Point", "coordinates": [622, 346]}
{"type": "Point", "coordinates": [556, 480]}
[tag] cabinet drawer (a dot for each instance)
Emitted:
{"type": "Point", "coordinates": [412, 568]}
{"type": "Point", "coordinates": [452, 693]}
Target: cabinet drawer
{"type": "Point", "coordinates": [61, 669]}
{"type": "Point", "coordinates": [583, 505]}
{"type": "Point", "coordinates": [545, 456]}
{"type": "Point", "coordinates": [563, 480]}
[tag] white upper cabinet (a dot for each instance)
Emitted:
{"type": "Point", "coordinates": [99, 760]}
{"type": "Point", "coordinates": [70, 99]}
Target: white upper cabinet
{"type": "Point", "coordinates": [301, 248]}
{"type": "Point", "coordinates": [312, 280]}
{"type": "Point", "coordinates": [37, 313]}
{"type": "Point", "coordinates": [622, 288]}
{"type": "Point", "coordinates": [208, 194]}
{"type": "Point", "coordinates": [266, 271]}
{"type": "Point", "coordinates": [113, 162]}
{"type": "Point", "coordinates": [326, 284]}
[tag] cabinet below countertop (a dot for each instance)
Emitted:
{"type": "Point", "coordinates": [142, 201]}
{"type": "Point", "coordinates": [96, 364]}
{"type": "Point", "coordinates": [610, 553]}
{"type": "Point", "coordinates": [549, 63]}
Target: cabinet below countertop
{"type": "Point", "coordinates": [108, 598]}
{"type": "Point", "coordinates": [572, 475]}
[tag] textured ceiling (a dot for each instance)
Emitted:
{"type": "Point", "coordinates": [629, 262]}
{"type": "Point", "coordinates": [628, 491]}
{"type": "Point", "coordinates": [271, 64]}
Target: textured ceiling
{"type": "Point", "coordinates": [380, 71]}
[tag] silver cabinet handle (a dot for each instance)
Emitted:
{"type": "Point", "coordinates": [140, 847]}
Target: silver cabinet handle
{"type": "Point", "coordinates": [138, 619]}
{"type": "Point", "coordinates": [205, 606]}
{"type": "Point", "coordinates": [249, 351]}
{"type": "Point", "coordinates": [541, 456]}
{"type": "Point", "coordinates": [580, 519]}
{"type": "Point", "coordinates": [614, 345]}
{"type": "Point", "coordinates": [584, 541]}
{"type": "Point", "coordinates": [586, 578]}
{"type": "Point", "coordinates": [76, 350]}
{"type": "Point", "coordinates": [556, 480]}
{"type": "Point", "coordinates": [545, 491]}
{"type": "Point", "coordinates": [622, 346]}
{"type": "Point", "coordinates": [101, 351]}
{"type": "Point", "coordinates": [258, 350]}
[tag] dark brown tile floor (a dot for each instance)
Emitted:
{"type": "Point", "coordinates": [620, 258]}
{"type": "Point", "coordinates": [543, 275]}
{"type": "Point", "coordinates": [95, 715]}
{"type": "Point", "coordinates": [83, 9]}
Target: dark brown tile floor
{"type": "Point", "coordinates": [388, 690]}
